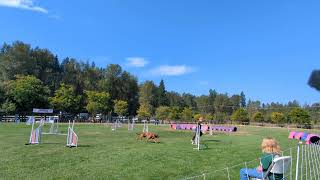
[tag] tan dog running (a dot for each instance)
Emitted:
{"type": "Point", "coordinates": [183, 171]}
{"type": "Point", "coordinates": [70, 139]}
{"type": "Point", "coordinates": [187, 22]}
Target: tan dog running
{"type": "Point", "coordinates": [149, 136]}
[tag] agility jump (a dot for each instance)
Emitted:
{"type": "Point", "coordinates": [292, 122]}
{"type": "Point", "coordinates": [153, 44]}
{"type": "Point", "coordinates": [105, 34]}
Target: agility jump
{"type": "Point", "coordinates": [35, 135]}
{"type": "Point", "coordinates": [115, 125]}
{"type": "Point", "coordinates": [72, 138]}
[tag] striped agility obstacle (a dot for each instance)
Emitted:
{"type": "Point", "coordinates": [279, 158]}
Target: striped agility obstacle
{"type": "Point", "coordinates": [72, 138]}
{"type": "Point", "coordinates": [308, 138]}
{"type": "Point", "coordinates": [35, 135]}
{"type": "Point", "coordinates": [204, 127]}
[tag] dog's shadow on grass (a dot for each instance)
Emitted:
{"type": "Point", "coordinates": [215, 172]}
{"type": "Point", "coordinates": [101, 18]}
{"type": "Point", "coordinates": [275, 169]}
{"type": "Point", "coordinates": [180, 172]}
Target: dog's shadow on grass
{"type": "Point", "coordinates": [84, 146]}
{"type": "Point", "coordinates": [211, 140]}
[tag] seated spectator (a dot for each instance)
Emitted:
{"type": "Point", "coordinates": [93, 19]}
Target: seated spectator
{"type": "Point", "coordinates": [270, 149]}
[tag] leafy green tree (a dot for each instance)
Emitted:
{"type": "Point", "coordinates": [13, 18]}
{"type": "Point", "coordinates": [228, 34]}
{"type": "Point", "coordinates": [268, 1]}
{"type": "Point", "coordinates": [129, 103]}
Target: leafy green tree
{"type": "Point", "coordinates": [26, 93]}
{"type": "Point", "coordinates": [16, 59]}
{"type": "Point", "coordinates": [211, 99]}
{"type": "Point", "coordinates": [72, 74]}
{"type": "Point", "coordinates": [258, 117]}
{"type": "Point", "coordinates": [91, 76]}
{"type": "Point", "coordinates": [220, 117]}
{"type": "Point", "coordinates": [162, 112]}
{"type": "Point", "coordinates": [8, 108]}
{"type": "Point", "coordinates": [222, 104]}
{"type": "Point", "coordinates": [98, 102]}
{"type": "Point", "coordinates": [112, 81]}
{"type": "Point", "coordinates": [65, 99]}
{"type": "Point", "coordinates": [47, 68]}
{"type": "Point", "coordinates": [186, 114]}
{"type": "Point", "coordinates": [148, 95]}
{"type": "Point", "coordinates": [240, 115]}
{"type": "Point", "coordinates": [196, 117]}
{"type": "Point", "coordinates": [189, 100]}
{"type": "Point", "coordinates": [20, 59]}
{"type": "Point", "coordinates": [120, 107]}
{"type": "Point", "coordinates": [174, 113]}
{"type": "Point", "coordinates": [209, 117]}
{"type": "Point", "coordinates": [278, 118]}
{"type": "Point", "coordinates": [175, 99]}
{"type": "Point", "coordinates": [301, 117]}
{"type": "Point", "coordinates": [253, 107]}
{"type": "Point", "coordinates": [2, 93]}
{"type": "Point", "coordinates": [130, 91]}
{"type": "Point", "coordinates": [203, 104]}
{"type": "Point", "coordinates": [144, 111]}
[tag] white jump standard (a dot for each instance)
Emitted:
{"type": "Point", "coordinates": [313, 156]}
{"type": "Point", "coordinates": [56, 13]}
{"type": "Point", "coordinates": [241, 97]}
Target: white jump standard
{"type": "Point", "coordinates": [130, 125]}
{"type": "Point", "coordinates": [72, 138]}
{"type": "Point", "coordinates": [115, 125]}
{"type": "Point", "coordinates": [145, 126]}
{"type": "Point", "coordinates": [197, 138]}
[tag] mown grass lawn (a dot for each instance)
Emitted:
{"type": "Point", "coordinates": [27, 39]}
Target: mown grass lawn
{"type": "Point", "coordinates": [106, 154]}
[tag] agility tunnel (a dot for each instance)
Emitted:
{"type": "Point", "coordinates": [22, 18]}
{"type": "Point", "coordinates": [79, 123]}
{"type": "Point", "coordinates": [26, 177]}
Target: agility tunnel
{"type": "Point", "coordinates": [308, 138]}
{"type": "Point", "coordinates": [203, 127]}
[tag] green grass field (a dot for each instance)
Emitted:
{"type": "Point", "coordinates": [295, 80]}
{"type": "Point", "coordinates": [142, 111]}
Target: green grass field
{"type": "Point", "coordinates": [106, 154]}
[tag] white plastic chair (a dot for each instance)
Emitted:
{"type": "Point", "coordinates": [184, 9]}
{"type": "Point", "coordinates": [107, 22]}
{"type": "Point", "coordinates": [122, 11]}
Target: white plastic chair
{"type": "Point", "coordinates": [279, 165]}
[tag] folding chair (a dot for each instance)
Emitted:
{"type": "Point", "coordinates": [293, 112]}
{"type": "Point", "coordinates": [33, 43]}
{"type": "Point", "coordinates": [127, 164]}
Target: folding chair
{"type": "Point", "coordinates": [279, 165]}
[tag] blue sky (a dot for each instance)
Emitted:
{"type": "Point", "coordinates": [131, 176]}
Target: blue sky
{"type": "Point", "coordinates": [265, 48]}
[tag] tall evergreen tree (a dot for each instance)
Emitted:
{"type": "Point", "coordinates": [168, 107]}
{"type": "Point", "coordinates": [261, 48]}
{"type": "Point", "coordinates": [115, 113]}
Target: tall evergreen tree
{"type": "Point", "coordinates": [243, 99]}
{"type": "Point", "coordinates": [162, 96]}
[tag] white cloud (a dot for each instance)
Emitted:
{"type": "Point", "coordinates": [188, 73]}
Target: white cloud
{"type": "Point", "coordinates": [167, 70]}
{"type": "Point", "coordinates": [23, 4]}
{"type": "Point", "coordinates": [136, 61]}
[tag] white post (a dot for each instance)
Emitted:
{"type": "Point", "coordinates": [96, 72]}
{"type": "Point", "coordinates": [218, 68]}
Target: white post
{"type": "Point", "coordinates": [31, 132]}
{"type": "Point", "coordinates": [72, 125]}
{"type": "Point", "coordinates": [291, 163]}
{"type": "Point", "coordinates": [305, 160]}
{"type": "Point", "coordinates": [57, 126]}
{"type": "Point", "coordinates": [309, 160]}
{"type": "Point", "coordinates": [198, 139]}
{"type": "Point", "coordinates": [128, 124]}
{"type": "Point", "coordinates": [68, 133]}
{"type": "Point", "coordinates": [297, 165]}
{"type": "Point", "coordinates": [145, 127]}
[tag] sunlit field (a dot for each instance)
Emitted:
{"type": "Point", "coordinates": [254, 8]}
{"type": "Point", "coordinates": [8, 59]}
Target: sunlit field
{"type": "Point", "coordinates": [106, 154]}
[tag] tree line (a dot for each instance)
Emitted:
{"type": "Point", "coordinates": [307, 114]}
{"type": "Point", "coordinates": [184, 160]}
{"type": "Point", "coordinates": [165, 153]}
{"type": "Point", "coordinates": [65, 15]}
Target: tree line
{"type": "Point", "coordinates": [36, 78]}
